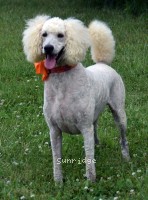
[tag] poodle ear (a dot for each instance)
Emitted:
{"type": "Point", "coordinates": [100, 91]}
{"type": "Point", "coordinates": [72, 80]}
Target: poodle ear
{"type": "Point", "coordinates": [32, 39]}
{"type": "Point", "coordinates": [77, 41]}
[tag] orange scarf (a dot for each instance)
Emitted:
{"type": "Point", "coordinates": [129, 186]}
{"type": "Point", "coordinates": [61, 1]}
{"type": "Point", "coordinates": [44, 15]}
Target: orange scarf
{"type": "Point", "coordinates": [40, 69]}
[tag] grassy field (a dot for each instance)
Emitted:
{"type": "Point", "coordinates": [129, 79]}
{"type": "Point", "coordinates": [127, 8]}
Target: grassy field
{"type": "Point", "coordinates": [25, 156]}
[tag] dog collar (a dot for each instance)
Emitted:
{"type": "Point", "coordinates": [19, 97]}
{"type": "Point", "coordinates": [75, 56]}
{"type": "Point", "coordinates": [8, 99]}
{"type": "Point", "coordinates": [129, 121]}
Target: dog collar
{"type": "Point", "coordinates": [40, 69]}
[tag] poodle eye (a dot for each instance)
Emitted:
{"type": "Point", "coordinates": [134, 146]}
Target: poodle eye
{"type": "Point", "coordinates": [44, 34]}
{"type": "Point", "coordinates": [60, 35]}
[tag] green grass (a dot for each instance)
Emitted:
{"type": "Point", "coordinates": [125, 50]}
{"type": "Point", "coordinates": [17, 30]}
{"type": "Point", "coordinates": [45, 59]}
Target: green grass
{"type": "Point", "coordinates": [25, 157]}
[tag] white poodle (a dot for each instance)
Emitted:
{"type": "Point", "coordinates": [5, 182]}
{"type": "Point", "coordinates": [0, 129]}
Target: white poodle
{"type": "Point", "coordinates": [75, 96]}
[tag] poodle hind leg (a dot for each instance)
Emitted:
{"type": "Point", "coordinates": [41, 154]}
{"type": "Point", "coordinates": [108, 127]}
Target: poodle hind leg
{"type": "Point", "coordinates": [121, 121]}
{"type": "Point", "coordinates": [97, 142]}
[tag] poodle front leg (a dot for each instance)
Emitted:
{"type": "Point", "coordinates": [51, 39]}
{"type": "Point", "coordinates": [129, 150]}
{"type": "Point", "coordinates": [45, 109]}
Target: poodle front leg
{"type": "Point", "coordinates": [88, 135]}
{"type": "Point", "coordinates": [56, 144]}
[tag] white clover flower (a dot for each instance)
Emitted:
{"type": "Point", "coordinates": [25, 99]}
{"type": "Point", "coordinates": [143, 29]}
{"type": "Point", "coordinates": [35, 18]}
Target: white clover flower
{"type": "Point", "coordinates": [132, 191]}
{"type": "Point", "coordinates": [15, 163]}
{"type": "Point", "coordinates": [133, 173]}
{"type": "Point", "coordinates": [8, 182]}
{"type": "Point", "coordinates": [77, 180]}
{"type": "Point", "coordinates": [26, 149]}
{"type": "Point", "coordinates": [139, 170]}
{"type": "Point", "coordinates": [117, 192]}
{"type": "Point", "coordinates": [91, 189]}
{"type": "Point", "coordinates": [2, 102]}
{"type": "Point", "coordinates": [32, 195]}
{"type": "Point", "coordinates": [85, 188]}
{"type": "Point", "coordinates": [115, 198]}
{"type": "Point", "coordinates": [22, 197]}
{"type": "Point", "coordinates": [109, 178]}
{"type": "Point", "coordinates": [135, 155]}
{"type": "Point", "coordinates": [46, 143]}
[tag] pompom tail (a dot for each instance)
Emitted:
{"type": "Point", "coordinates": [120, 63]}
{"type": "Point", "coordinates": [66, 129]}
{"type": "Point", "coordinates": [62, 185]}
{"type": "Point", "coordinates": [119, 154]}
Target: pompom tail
{"type": "Point", "coordinates": [102, 42]}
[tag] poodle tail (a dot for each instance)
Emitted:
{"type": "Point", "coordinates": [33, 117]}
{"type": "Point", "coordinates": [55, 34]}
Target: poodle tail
{"type": "Point", "coordinates": [102, 42]}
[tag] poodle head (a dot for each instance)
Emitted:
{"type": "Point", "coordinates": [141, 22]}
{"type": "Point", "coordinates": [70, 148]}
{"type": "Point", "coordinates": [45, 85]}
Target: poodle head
{"type": "Point", "coordinates": [61, 42]}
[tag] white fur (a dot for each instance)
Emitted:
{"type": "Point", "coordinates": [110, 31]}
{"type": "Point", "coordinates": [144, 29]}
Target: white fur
{"type": "Point", "coordinates": [77, 41]}
{"type": "Point", "coordinates": [74, 99]}
{"type": "Point", "coordinates": [52, 27]}
{"type": "Point", "coordinates": [102, 42]}
{"type": "Point", "coordinates": [76, 47]}
{"type": "Point", "coordinates": [32, 40]}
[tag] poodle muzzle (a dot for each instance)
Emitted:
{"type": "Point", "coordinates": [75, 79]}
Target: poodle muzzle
{"type": "Point", "coordinates": [52, 59]}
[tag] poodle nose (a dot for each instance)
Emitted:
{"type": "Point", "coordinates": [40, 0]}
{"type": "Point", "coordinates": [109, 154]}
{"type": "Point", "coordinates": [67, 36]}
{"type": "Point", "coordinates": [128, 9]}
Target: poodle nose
{"type": "Point", "coordinates": [48, 49]}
